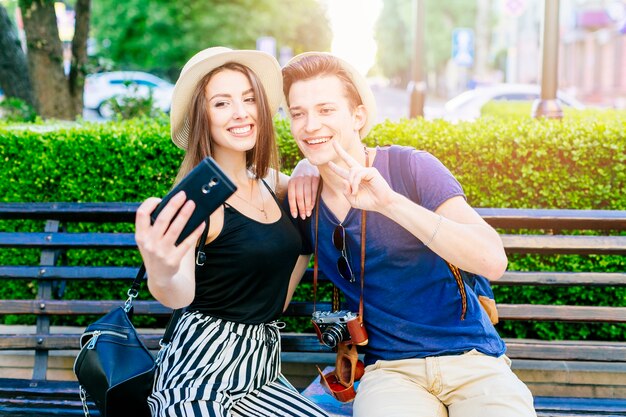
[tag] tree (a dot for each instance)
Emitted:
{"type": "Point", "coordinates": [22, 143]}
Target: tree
{"type": "Point", "coordinates": [58, 96]}
{"type": "Point", "coordinates": [395, 28]}
{"type": "Point", "coordinates": [14, 77]}
{"type": "Point", "coordinates": [393, 36]}
{"type": "Point", "coordinates": [160, 35]}
{"type": "Point", "coordinates": [301, 25]}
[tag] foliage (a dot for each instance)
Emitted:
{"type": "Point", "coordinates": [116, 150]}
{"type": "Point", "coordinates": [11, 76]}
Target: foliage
{"type": "Point", "coordinates": [394, 38]}
{"type": "Point", "coordinates": [522, 162]}
{"type": "Point", "coordinates": [133, 105]}
{"type": "Point", "coordinates": [289, 152]}
{"type": "Point", "coordinates": [517, 162]}
{"type": "Point", "coordinates": [16, 110]}
{"type": "Point", "coordinates": [160, 36]}
{"type": "Point", "coordinates": [521, 109]}
{"type": "Point", "coordinates": [10, 6]}
{"type": "Point", "coordinates": [395, 31]}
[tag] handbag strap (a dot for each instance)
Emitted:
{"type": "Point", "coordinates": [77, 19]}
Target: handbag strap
{"type": "Point", "coordinates": [176, 314]}
{"type": "Point", "coordinates": [171, 324]}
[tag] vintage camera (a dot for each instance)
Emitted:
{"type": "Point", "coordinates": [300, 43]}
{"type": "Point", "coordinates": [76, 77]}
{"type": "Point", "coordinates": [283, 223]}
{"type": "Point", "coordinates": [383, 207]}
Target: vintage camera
{"type": "Point", "coordinates": [334, 327]}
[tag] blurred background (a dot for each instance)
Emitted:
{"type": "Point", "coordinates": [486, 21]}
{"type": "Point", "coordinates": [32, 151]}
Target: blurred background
{"type": "Point", "coordinates": [469, 52]}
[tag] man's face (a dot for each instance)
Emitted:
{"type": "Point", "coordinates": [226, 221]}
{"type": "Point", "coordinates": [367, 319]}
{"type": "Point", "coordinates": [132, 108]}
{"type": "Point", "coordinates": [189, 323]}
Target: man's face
{"type": "Point", "coordinates": [320, 113]}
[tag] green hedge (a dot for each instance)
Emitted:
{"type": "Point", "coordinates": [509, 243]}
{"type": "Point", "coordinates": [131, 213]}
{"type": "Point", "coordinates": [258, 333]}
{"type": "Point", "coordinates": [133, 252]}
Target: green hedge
{"type": "Point", "coordinates": [514, 162]}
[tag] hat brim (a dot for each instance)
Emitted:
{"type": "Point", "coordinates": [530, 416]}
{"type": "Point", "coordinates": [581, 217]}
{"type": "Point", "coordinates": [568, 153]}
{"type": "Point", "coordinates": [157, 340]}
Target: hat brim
{"type": "Point", "coordinates": [360, 83]}
{"type": "Point", "coordinates": [262, 64]}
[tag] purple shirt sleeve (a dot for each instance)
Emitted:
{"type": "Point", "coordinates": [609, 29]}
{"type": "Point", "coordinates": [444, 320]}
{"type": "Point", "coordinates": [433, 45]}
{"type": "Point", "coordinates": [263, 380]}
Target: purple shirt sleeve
{"type": "Point", "coordinates": [434, 183]}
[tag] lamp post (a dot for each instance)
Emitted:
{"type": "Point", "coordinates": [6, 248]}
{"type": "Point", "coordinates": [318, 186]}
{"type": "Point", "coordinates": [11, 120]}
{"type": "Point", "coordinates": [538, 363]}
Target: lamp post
{"type": "Point", "coordinates": [548, 106]}
{"type": "Point", "coordinates": [417, 86]}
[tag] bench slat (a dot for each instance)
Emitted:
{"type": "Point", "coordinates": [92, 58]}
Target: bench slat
{"type": "Point", "coordinates": [77, 307]}
{"type": "Point", "coordinates": [615, 279]}
{"type": "Point", "coordinates": [68, 240]}
{"type": "Point", "coordinates": [561, 350]}
{"type": "Point", "coordinates": [565, 313]}
{"type": "Point", "coordinates": [512, 243]}
{"type": "Point", "coordinates": [564, 244]}
{"type": "Point", "coordinates": [537, 312]}
{"type": "Point", "coordinates": [307, 342]}
{"type": "Point", "coordinates": [498, 217]}
{"type": "Point", "coordinates": [73, 212]}
{"type": "Point", "coordinates": [559, 219]}
{"type": "Point", "coordinates": [68, 272]}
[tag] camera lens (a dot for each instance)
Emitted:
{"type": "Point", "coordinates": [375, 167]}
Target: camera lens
{"type": "Point", "coordinates": [333, 335]}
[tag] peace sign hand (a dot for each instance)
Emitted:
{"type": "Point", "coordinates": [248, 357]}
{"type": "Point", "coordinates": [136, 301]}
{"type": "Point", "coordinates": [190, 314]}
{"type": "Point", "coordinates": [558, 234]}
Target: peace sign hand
{"type": "Point", "coordinates": [364, 187]}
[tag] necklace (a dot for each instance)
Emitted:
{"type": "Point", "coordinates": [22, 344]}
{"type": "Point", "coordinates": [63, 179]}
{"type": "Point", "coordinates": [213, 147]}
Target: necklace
{"type": "Point", "coordinates": [262, 208]}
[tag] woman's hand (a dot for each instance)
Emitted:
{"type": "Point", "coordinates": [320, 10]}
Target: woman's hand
{"type": "Point", "coordinates": [157, 245]}
{"type": "Point", "coordinates": [302, 189]}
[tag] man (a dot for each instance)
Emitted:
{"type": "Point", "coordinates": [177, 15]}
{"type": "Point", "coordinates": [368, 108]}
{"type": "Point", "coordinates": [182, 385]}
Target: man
{"type": "Point", "coordinates": [432, 351]}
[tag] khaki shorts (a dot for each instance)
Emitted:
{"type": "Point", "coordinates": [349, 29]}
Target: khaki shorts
{"type": "Point", "coordinates": [467, 385]}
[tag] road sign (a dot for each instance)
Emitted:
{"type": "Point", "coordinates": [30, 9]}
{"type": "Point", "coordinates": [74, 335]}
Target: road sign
{"type": "Point", "coordinates": [463, 47]}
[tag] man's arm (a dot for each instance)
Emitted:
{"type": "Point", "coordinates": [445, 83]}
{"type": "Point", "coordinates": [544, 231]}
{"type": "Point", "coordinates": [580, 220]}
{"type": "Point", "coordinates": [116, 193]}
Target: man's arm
{"type": "Point", "coordinates": [454, 230]}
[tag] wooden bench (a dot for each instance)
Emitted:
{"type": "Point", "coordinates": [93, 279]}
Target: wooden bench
{"type": "Point", "coordinates": [567, 377]}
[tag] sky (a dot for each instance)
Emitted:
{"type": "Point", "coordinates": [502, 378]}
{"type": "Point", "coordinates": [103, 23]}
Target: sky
{"type": "Point", "coordinates": [352, 22]}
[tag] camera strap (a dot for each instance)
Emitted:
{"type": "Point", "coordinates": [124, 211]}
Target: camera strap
{"type": "Point", "coordinates": [335, 301]}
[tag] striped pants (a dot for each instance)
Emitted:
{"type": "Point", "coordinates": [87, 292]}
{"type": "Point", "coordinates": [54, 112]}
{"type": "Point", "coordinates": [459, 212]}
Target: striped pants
{"type": "Point", "coordinates": [214, 367]}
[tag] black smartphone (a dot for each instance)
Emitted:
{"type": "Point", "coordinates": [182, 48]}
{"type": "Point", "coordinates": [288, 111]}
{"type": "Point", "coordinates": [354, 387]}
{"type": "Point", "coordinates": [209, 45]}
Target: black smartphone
{"type": "Point", "coordinates": [208, 186]}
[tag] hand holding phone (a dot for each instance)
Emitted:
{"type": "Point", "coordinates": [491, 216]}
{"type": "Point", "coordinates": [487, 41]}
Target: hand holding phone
{"type": "Point", "coordinates": [208, 186]}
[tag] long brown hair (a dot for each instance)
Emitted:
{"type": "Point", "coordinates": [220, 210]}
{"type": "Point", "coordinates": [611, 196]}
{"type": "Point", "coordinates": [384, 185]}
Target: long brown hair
{"type": "Point", "coordinates": [259, 159]}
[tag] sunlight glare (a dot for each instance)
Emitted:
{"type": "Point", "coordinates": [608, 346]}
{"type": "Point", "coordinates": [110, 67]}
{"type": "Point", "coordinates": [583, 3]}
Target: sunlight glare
{"type": "Point", "coordinates": [352, 22]}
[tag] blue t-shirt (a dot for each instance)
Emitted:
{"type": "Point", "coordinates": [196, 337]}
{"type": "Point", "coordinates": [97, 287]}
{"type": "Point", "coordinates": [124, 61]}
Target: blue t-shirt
{"type": "Point", "coordinates": [412, 305]}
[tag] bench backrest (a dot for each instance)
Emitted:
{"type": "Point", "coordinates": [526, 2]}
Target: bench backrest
{"type": "Point", "coordinates": [545, 232]}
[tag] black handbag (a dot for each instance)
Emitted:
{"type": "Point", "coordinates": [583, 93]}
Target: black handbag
{"type": "Point", "coordinates": [114, 368]}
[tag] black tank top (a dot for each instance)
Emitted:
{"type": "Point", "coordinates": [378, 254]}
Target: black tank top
{"type": "Point", "coordinates": [247, 269]}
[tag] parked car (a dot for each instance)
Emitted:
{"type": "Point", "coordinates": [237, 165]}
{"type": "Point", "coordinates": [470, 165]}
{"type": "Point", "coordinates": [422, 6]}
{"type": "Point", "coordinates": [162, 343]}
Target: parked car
{"type": "Point", "coordinates": [468, 105]}
{"type": "Point", "coordinates": [105, 85]}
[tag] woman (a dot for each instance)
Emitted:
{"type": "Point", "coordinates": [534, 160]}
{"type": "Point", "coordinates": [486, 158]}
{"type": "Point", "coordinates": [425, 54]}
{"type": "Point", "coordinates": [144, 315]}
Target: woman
{"type": "Point", "coordinates": [224, 359]}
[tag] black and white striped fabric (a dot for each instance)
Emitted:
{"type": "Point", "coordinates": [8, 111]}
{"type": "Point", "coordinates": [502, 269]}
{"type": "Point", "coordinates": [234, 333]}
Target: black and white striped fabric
{"type": "Point", "coordinates": [214, 367]}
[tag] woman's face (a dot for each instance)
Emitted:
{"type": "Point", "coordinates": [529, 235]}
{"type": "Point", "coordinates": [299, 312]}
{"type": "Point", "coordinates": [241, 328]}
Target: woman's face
{"type": "Point", "coordinates": [232, 111]}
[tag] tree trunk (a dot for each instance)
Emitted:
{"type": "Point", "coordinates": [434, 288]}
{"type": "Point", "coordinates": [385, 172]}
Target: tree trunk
{"type": "Point", "coordinates": [45, 60]}
{"type": "Point", "coordinates": [14, 79]}
{"type": "Point", "coordinates": [79, 53]}
{"type": "Point", "coordinates": [483, 40]}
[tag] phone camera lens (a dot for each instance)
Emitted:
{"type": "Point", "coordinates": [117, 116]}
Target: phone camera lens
{"type": "Point", "coordinates": [206, 188]}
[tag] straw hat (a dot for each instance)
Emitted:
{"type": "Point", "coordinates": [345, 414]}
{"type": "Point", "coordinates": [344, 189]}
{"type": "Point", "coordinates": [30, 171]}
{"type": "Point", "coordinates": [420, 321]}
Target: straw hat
{"type": "Point", "coordinates": [262, 64]}
{"type": "Point", "coordinates": [362, 87]}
